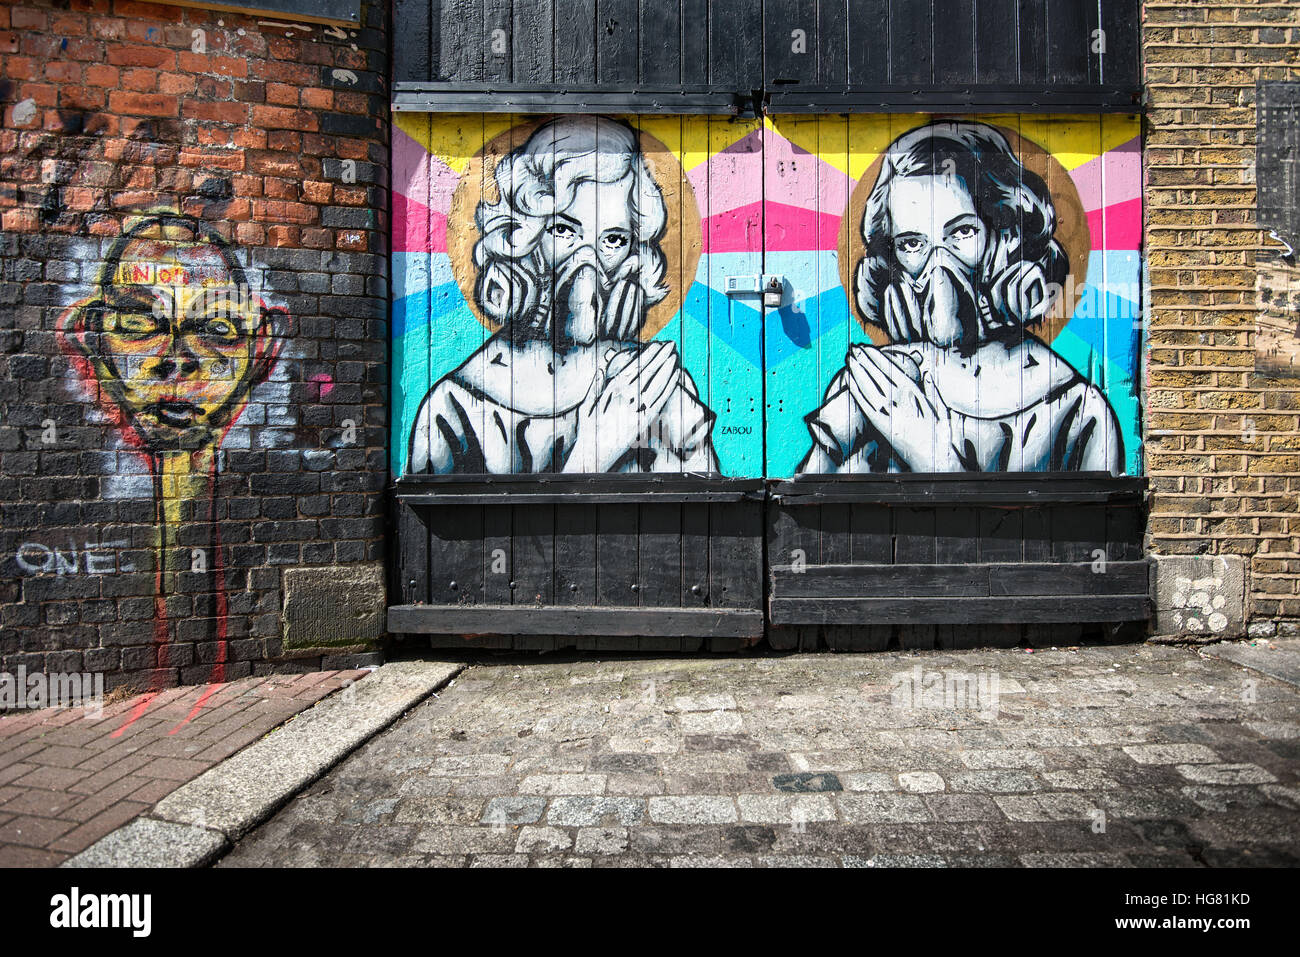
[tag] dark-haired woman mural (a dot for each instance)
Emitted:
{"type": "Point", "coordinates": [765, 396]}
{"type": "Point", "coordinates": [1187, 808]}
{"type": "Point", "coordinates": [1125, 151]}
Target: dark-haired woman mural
{"type": "Point", "coordinates": [961, 264]}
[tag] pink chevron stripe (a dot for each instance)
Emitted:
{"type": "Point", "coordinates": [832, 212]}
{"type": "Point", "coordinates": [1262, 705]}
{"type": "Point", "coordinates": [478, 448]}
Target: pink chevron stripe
{"type": "Point", "coordinates": [1113, 177]}
{"type": "Point", "coordinates": [803, 179]}
{"type": "Point", "coordinates": [416, 228]}
{"type": "Point", "coordinates": [779, 227]}
{"type": "Point", "coordinates": [795, 229]}
{"type": "Point", "coordinates": [730, 179]}
{"type": "Point", "coordinates": [1118, 226]}
{"type": "Point", "coordinates": [735, 231]}
{"type": "Point", "coordinates": [421, 176]}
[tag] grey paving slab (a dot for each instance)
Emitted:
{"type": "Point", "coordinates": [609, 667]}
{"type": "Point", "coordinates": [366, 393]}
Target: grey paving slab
{"type": "Point", "coordinates": [1278, 658]}
{"type": "Point", "coordinates": [1147, 755]}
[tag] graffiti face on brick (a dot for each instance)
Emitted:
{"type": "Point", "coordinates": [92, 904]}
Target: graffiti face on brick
{"type": "Point", "coordinates": [174, 339]}
{"type": "Point", "coordinates": [171, 344]}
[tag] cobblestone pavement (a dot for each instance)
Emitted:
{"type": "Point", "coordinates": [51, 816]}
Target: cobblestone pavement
{"type": "Point", "coordinates": [68, 777]}
{"type": "Point", "coordinates": [1102, 756]}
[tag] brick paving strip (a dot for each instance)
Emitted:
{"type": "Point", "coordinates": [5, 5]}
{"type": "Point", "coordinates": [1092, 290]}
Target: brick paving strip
{"type": "Point", "coordinates": [67, 779]}
{"type": "Point", "coordinates": [1097, 756]}
{"type": "Point", "coordinates": [197, 821]}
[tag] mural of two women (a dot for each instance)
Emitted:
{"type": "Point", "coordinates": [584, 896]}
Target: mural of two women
{"type": "Point", "coordinates": [961, 265]}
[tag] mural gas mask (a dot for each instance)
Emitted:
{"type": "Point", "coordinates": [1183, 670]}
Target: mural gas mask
{"type": "Point", "coordinates": [939, 304]}
{"type": "Point", "coordinates": [580, 302]}
{"type": "Point", "coordinates": [599, 304]}
{"type": "Point", "coordinates": [950, 303]}
{"type": "Point", "coordinates": [950, 276]}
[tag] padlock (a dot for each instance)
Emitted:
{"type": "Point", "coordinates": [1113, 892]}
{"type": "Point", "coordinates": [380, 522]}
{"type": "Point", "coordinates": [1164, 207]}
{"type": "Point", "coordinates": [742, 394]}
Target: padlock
{"type": "Point", "coordinates": [773, 293]}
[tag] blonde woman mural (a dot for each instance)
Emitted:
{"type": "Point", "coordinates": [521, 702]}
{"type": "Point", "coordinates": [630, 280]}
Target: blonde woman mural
{"type": "Point", "coordinates": [568, 263]}
{"type": "Point", "coordinates": [961, 265]}
{"type": "Point", "coordinates": [171, 344]}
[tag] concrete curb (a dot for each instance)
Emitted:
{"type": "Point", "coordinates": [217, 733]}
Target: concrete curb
{"type": "Point", "coordinates": [1276, 657]}
{"type": "Point", "coordinates": [200, 820]}
{"type": "Point", "coordinates": [149, 843]}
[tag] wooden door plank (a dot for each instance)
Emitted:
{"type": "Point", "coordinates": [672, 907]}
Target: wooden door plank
{"type": "Point", "coordinates": [617, 35]}
{"type": "Point", "coordinates": [956, 535]}
{"type": "Point", "coordinates": [914, 535]}
{"type": "Point", "coordinates": [497, 572]}
{"type": "Point", "coordinates": [1078, 533]}
{"type": "Point", "coordinates": [616, 555]}
{"type": "Point", "coordinates": [1122, 22]}
{"type": "Point", "coordinates": [575, 42]}
{"type": "Point", "coordinates": [1086, 578]}
{"type": "Point", "coordinates": [532, 544]}
{"type": "Point", "coordinates": [461, 40]}
{"type": "Point", "coordinates": [533, 46]}
{"type": "Point", "coordinates": [1002, 535]}
{"type": "Point", "coordinates": [660, 49]}
{"type": "Point", "coordinates": [411, 61]}
{"type": "Point", "coordinates": [499, 41]}
{"type": "Point", "coordinates": [660, 543]}
{"type": "Point", "coordinates": [954, 41]}
{"type": "Point", "coordinates": [456, 554]}
{"type": "Point", "coordinates": [880, 581]}
{"type": "Point", "coordinates": [1032, 20]}
{"type": "Point", "coordinates": [695, 556]}
{"type": "Point", "coordinates": [575, 555]}
{"type": "Point", "coordinates": [995, 25]}
{"type": "Point", "coordinates": [1068, 43]}
{"type": "Point", "coordinates": [735, 556]}
{"type": "Point", "coordinates": [911, 41]}
{"type": "Point", "coordinates": [832, 42]}
{"type": "Point", "coordinates": [916, 612]}
{"type": "Point", "coordinates": [629, 621]}
{"type": "Point", "coordinates": [413, 551]}
{"type": "Point", "coordinates": [695, 41]}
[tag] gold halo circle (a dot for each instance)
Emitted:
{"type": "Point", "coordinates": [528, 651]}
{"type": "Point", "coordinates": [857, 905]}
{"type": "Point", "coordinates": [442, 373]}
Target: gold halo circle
{"type": "Point", "coordinates": [681, 242]}
{"type": "Point", "coordinates": [1072, 232]}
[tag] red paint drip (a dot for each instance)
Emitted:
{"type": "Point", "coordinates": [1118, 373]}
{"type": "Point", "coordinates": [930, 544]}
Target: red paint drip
{"type": "Point", "coordinates": [136, 713]}
{"type": "Point", "coordinates": [198, 706]}
{"type": "Point", "coordinates": [218, 675]}
{"type": "Point", "coordinates": [223, 607]}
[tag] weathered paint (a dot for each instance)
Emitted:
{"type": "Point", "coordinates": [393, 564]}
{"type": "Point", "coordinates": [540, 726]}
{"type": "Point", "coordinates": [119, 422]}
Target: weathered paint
{"type": "Point", "coordinates": [781, 196]}
{"type": "Point", "coordinates": [170, 345]}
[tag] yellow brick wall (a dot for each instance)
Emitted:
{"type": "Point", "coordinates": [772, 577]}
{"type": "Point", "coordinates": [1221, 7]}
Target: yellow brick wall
{"type": "Point", "coordinates": [1222, 444]}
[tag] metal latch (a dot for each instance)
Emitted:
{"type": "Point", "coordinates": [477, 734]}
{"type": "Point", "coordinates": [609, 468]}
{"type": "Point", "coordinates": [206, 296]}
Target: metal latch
{"type": "Point", "coordinates": [771, 287]}
{"type": "Point", "coordinates": [743, 285]}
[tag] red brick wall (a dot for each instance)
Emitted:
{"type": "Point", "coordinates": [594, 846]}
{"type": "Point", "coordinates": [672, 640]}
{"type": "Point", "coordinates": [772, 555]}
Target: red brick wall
{"type": "Point", "coordinates": [275, 137]}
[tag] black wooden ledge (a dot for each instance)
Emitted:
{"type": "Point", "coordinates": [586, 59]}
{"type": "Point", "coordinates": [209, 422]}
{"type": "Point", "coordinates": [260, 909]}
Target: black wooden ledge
{"type": "Point", "coordinates": [1024, 489]}
{"type": "Point", "coordinates": [1076, 98]}
{"type": "Point", "coordinates": [482, 558]}
{"type": "Point", "coordinates": [474, 620]}
{"type": "Point", "coordinates": [418, 490]}
{"type": "Point", "coordinates": [499, 98]}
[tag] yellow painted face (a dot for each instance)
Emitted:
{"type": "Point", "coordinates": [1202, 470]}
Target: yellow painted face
{"type": "Point", "coordinates": [178, 342]}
